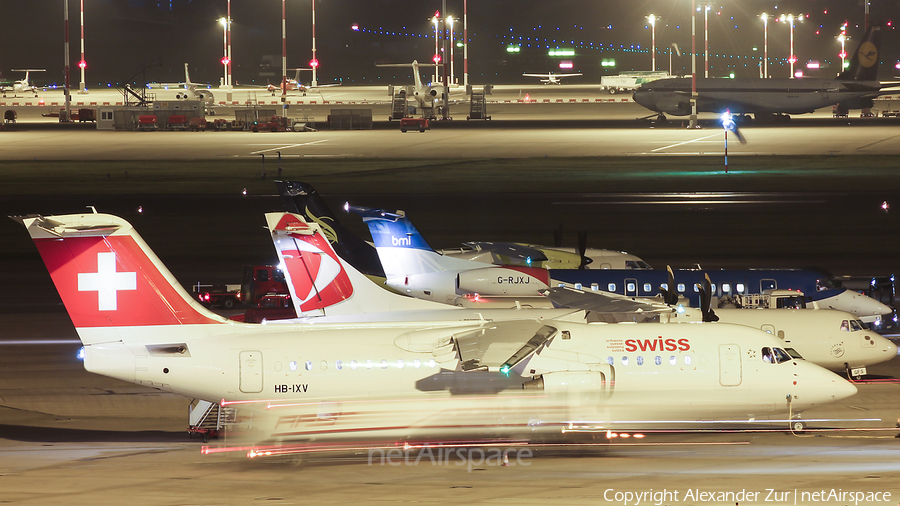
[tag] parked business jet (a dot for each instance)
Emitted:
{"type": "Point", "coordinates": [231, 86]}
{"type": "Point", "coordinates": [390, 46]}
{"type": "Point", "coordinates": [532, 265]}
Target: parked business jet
{"type": "Point", "coordinates": [22, 85]}
{"type": "Point", "coordinates": [427, 96]}
{"type": "Point", "coordinates": [852, 88]}
{"type": "Point", "coordinates": [331, 380]}
{"type": "Point", "coordinates": [551, 78]}
{"type": "Point", "coordinates": [192, 91]}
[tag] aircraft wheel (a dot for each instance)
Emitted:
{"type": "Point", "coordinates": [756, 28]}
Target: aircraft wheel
{"type": "Point", "coordinates": [422, 130]}
{"type": "Point", "coordinates": [403, 130]}
{"type": "Point", "coordinates": [612, 91]}
{"type": "Point", "coordinates": [798, 425]}
{"type": "Point", "coordinates": [206, 437]}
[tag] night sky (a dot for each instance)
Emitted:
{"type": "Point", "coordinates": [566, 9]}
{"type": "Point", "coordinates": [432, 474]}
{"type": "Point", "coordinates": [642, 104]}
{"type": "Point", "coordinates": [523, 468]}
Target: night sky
{"type": "Point", "coordinates": [125, 36]}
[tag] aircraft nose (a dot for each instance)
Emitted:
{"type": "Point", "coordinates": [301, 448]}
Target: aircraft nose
{"type": "Point", "coordinates": [821, 386]}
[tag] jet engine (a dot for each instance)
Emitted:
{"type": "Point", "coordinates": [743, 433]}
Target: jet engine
{"type": "Point", "coordinates": [504, 280]}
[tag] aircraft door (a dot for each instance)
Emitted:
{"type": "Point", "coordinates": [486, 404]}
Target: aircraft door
{"type": "Point", "coordinates": [251, 372]}
{"type": "Point", "coordinates": [631, 287]}
{"type": "Point", "coordinates": [729, 365]}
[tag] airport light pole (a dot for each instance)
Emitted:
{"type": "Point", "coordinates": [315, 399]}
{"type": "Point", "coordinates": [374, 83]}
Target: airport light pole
{"type": "Point", "coordinates": [793, 59]}
{"type": "Point", "coordinates": [843, 38]}
{"type": "Point", "coordinates": [465, 44]}
{"type": "Point", "coordinates": [66, 45]}
{"type": "Point", "coordinates": [706, 41]}
{"type": "Point", "coordinates": [652, 19]}
{"type": "Point", "coordinates": [283, 60]}
{"type": "Point", "coordinates": [228, 50]}
{"type": "Point", "coordinates": [450, 22]}
{"type": "Point", "coordinates": [314, 63]}
{"type": "Point", "coordinates": [436, 53]}
{"type": "Point", "coordinates": [692, 123]}
{"type": "Point", "coordinates": [82, 89]}
{"type": "Point", "coordinates": [765, 18]}
{"type": "Point", "coordinates": [225, 62]}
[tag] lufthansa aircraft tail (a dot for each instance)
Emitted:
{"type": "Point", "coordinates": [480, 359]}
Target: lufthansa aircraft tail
{"type": "Point", "coordinates": [864, 62]}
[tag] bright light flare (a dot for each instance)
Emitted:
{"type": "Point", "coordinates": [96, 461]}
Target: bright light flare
{"type": "Point", "coordinates": [566, 65]}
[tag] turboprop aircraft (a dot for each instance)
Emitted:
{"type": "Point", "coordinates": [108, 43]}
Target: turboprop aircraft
{"type": "Point", "coordinates": [550, 77]}
{"type": "Point", "coordinates": [725, 284]}
{"type": "Point", "coordinates": [853, 88]}
{"type": "Point", "coordinates": [832, 339]}
{"type": "Point", "coordinates": [404, 381]}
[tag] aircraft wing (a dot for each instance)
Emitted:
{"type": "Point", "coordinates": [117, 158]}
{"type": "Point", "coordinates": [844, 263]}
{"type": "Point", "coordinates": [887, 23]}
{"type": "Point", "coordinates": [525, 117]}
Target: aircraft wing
{"type": "Point", "coordinates": [509, 250]}
{"type": "Point", "coordinates": [545, 76]}
{"type": "Point", "coordinates": [606, 306]}
{"type": "Point", "coordinates": [494, 346]}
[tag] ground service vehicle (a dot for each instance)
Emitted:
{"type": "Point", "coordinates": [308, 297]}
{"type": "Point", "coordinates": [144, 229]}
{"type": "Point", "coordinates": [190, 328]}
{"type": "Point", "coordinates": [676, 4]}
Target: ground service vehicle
{"type": "Point", "coordinates": [256, 281]}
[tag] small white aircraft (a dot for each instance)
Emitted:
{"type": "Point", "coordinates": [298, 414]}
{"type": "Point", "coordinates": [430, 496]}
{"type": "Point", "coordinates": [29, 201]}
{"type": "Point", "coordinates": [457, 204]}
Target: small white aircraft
{"type": "Point", "coordinates": [427, 96]}
{"type": "Point", "coordinates": [550, 77]}
{"type": "Point", "coordinates": [295, 85]}
{"type": "Point", "coordinates": [192, 91]}
{"type": "Point", "coordinates": [22, 85]}
{"type": "Point", "coordinates": [404, 381]}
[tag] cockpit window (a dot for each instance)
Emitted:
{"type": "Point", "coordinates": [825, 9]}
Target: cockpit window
{"type": "Point", "coordinates": [775, 355]}
{"type": "Point", "coordinates": [823, 284]}
{"type": "Point", "coordinates": [856, 325]}
{"type": "Point", "coordinates": [793, 353]}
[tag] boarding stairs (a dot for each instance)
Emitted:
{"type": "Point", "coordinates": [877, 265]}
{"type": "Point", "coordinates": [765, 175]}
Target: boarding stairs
{"type": "Point", "coordinates": [207, 419]}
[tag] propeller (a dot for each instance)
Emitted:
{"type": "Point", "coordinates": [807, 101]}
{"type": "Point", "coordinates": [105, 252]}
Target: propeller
{"type": "Point", "coordinates": [706, 301]}
{"type": "Point", "coordinates": [582, 249]}
{"type": "Point", "coordinates": [558, 236]}
{"type": "Point", "coordinates": [669, 293]}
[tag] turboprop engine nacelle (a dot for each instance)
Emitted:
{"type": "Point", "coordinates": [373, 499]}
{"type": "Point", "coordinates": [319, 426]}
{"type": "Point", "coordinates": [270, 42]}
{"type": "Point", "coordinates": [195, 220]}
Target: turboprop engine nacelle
{"type": "Point", "coordinates": [504, 280]}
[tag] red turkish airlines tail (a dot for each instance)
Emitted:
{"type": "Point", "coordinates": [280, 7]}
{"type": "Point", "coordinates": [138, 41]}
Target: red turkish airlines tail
{"type": "Point", "coordinates": [107, 276]}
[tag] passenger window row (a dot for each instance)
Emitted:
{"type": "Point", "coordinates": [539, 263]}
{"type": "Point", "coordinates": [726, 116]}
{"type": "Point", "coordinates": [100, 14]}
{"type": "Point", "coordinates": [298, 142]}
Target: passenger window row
{"type": "Point", "coordinates": [658, 360]}
{"type": "Point", "coordinates": [367, 364]}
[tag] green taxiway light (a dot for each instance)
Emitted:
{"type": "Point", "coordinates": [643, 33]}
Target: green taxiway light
{"type": "Point", "coordinates": [513, 49]}
{"type": "Point", "coordinates": [561, 52]}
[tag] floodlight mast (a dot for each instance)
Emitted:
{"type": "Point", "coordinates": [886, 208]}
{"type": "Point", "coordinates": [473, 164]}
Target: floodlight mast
{"type": "Point", "coordinates": [693, 118]}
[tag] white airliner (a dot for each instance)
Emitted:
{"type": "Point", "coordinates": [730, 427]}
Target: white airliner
{"type": "Point", "coordinates": [550, 77]}
{"type": "Point", "coordinates": [852, 88]}
{"type": "Point", "coordinates": [412, 267]}
{"type": "Point", "coordinates": [22, 85]}
{"type": "Point", "coordinates": [327, 380]}
{"type": "Point", "coordinates": [833, 339]}
{"type": "Point", "coordinates": [191, 90]}
{"type": "Point", "coordinates": [427, 96]}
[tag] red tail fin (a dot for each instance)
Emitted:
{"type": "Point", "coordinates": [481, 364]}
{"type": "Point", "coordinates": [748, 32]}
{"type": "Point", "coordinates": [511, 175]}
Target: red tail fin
{"type": "Point", "coordinates": [108, 277]}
